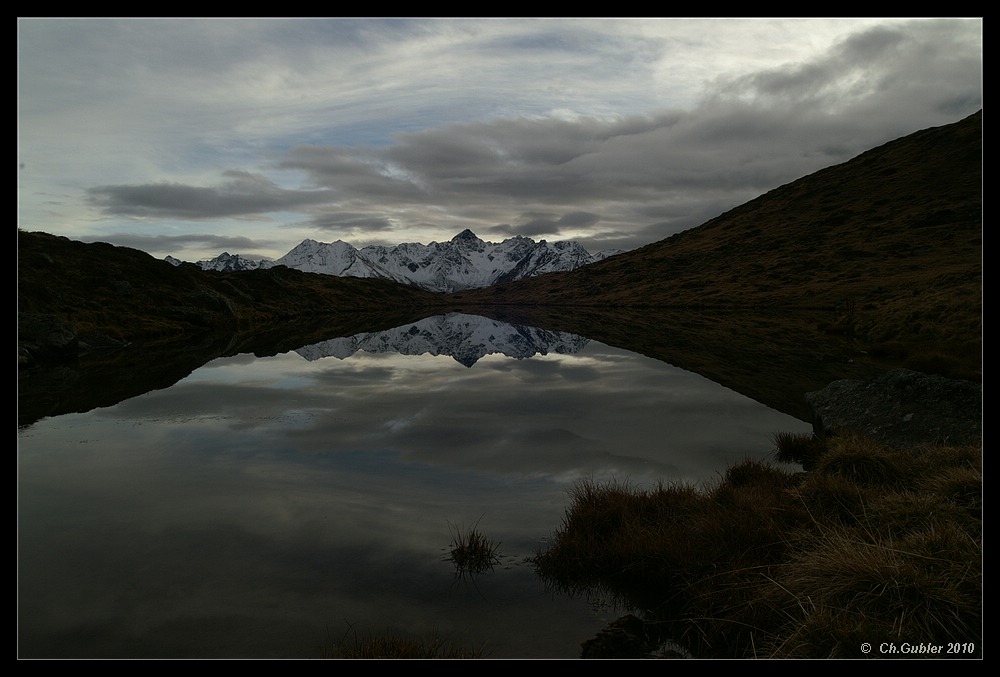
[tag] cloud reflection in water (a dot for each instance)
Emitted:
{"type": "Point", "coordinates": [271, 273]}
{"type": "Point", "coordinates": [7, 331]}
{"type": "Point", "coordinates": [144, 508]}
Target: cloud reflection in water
{"type": "Point", "coordinates": [259, 503]}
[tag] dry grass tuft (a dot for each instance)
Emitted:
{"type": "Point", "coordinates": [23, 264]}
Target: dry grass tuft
{"type": "Point", "coordinates": [472, 552]}
{"type": "Point", "coordinates": [798, 448]}
{"type": "Point", "coordinates": [875, 545]}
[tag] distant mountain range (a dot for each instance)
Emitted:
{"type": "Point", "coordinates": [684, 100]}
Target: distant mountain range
{"type": "Point", "coordinates": [465, 337]}
{"type": "Point", "coordinates": [464, 262]}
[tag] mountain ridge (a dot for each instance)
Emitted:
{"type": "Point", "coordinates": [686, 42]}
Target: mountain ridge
{"type": "Point", "coordinates": [464, 262]}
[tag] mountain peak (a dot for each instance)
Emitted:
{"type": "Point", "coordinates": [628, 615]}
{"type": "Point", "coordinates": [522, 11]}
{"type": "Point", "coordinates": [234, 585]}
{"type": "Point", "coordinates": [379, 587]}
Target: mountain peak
{"type": "Point", "coordinates": [464, 235]}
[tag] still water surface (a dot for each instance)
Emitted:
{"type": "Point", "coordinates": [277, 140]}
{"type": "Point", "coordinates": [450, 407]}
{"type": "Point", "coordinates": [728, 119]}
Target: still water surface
{"type": "Point", "coordinates": [267, 507]}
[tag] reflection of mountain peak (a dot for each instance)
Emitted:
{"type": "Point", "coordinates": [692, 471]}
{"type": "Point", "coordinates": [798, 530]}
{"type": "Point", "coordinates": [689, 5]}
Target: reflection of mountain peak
{"type": "Point", "coordinates": [467, 338]}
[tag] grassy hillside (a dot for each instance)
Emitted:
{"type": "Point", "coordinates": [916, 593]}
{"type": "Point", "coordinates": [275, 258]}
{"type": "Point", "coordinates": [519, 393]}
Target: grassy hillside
{"type": "Point", "coordinates": [127, 294]}
{"type": "Point", "coordinates": [891, 240]}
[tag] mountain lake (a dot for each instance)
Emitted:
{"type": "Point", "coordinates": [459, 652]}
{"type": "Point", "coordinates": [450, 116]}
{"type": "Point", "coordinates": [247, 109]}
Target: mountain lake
{"type": "Point", "coordinates": [274, 507]}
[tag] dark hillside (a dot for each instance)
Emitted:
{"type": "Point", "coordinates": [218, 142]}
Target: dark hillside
{"type": "Point", "coordinates": [124, 294]}
{"type": "Point", "coordinates": [891, 239]}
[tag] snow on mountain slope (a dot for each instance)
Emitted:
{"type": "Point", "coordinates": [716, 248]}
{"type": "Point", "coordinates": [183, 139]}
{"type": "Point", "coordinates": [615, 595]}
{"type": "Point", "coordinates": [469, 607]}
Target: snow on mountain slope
{"type": "Point", "coordinates": [464, 262]}
{"type": "Point", "coordinates": [228, 263]}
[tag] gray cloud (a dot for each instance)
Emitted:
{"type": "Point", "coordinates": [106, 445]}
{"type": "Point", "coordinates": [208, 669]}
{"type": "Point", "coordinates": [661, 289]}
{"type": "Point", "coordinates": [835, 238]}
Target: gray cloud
{"type": "Point", "coordinates": [350, 222]}
{"type": "Point", "coordinates": [231, 243]}
{"type": "Point", "coordinates": [537, 224]}
{"type": "Point", "coordinates": [243, 194]}
{"type": "Point", "coordinates": [586, 172]}
{"type": "Point", "coordinates": [850, 68]}
{"type": "Point", "coordinates": [751, 134]}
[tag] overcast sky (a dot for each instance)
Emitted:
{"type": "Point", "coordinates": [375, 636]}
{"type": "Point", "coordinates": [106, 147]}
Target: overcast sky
{"type": "Point", "coordinates": [193, 137]}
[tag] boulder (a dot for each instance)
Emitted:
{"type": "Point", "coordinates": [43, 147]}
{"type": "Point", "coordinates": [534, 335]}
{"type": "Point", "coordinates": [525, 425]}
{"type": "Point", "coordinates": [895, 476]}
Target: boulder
{"type": "Point", "coordinates": [902, 408]}
{"type": "Point", "coordinates": [43, 337]}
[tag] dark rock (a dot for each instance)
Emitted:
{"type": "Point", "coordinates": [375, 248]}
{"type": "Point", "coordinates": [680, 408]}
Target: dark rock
{"type": "Point", "coordinates": [630, 637]}
{"type": "Point", "coordinates": [42, 337]}
{"type": "Point", "coordinates": [902, 408]}
{"type": "Point", "coordinates": [99, 342]}
{"type": "Point", "coordinates": [624, 638]}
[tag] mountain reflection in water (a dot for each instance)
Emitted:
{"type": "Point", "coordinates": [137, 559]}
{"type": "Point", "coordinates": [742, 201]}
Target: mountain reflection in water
{"type": "Point", "coordinates": [467, 338]}
{"type": "Point", "coordinates": [266, 507]}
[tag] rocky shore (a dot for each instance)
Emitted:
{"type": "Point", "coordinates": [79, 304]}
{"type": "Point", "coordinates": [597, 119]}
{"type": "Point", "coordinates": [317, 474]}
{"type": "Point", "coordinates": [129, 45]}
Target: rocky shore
{"type": "Point", "coordinates": [901, 408]}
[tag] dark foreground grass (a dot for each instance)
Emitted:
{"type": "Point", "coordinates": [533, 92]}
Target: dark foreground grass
{"type": "Point", "coordinates": [875, 545]}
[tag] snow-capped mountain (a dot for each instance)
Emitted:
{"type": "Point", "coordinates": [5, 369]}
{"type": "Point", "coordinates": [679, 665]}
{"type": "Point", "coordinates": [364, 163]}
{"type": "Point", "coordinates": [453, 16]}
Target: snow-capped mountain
{"type": "Point", "coordinates": [228, 263]}
{"type": "Point", "coordinates": [464, 262]}
{"type": "Point", "coordinates": [467, 338]}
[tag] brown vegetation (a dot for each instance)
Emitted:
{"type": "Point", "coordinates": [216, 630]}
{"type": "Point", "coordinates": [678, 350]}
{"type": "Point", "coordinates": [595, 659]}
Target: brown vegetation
{"type": "Point", "coordinates": [876, 545]}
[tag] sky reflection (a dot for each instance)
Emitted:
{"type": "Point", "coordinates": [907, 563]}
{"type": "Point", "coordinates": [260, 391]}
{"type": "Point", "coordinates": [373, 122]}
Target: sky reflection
{"type": "Point", "coordinates": [600, 413]}
{"type": "Point", "coordinates": [260, 507]}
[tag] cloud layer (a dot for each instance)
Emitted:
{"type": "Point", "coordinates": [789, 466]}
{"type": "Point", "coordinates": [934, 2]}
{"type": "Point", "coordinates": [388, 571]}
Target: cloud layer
{"type": "Point", "coordinates": [176, 135]}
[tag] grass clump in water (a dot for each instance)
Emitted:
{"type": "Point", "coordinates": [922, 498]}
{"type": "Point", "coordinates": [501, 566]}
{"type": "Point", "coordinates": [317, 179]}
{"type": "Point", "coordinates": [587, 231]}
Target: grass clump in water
{"type": "Point", "coordinates": [471, 552]}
